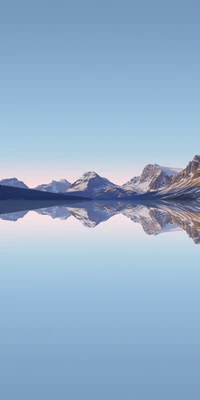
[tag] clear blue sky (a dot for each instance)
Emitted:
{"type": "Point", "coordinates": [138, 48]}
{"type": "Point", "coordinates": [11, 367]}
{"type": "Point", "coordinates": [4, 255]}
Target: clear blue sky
{"type": "Point", "coordinates": [98, 85]}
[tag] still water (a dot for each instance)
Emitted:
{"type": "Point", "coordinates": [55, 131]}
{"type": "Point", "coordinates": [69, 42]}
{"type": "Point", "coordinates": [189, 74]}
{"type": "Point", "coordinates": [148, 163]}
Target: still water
{"type": "Point", "coordinates": [100, 301]}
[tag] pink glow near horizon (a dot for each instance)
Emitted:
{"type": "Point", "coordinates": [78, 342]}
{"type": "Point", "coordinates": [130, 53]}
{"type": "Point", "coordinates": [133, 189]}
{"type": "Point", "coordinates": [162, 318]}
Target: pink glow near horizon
{"type": "Point", "coordinates": [42, 223]}
{"type": "Point", "coordinates": [35, 178]}
{"type": "Point", "coordinates": [35, 224]}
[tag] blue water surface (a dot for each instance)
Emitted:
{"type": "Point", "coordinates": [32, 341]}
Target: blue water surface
{"type": "Point", "coordinates": [104, 313]}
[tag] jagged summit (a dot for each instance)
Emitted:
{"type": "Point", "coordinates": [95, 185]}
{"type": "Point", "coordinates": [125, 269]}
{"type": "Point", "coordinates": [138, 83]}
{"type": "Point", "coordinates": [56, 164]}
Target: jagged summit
{"type": "Point", "coordinates": [89, 183]}
{"type": "Point", "coordinates": [155, 180]}
{"type": "Point", "coordinates": [154, 177]}
{"type": "Point", "coordinates": [63, 181]}
{"type": "Point", "coordinates": [194, 164]}
{"type": "Point", "coordinates": [91, 175]}
{"type": "Point", "coordinates": [187, 182]}
{"type": "Point", "coordinates": [169, 170]}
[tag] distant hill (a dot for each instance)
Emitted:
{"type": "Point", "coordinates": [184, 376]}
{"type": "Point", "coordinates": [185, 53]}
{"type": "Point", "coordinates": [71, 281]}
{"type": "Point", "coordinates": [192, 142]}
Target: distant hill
{"type": "Point", "coordinates": [14, 182]}
{"type": "Point", "coordinates": [55, 186]}
{"type": "Point", "coordinates": [9, 193]}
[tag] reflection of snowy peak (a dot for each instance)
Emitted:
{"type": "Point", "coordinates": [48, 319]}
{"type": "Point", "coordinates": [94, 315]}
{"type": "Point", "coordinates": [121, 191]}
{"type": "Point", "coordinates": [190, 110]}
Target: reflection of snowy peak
{"type": "Point", "coordinates": [60, 212]}
{"type": "Point", "coordinates": [55, 186]}
{"type": "Point", "coordinates": [92, 214]}
{"type": "Point", "coordinates": [154, 177]}
{"type": "Point", "coordinates": [153, 220]}
{"type": "Point", "coordinates": [13, 216]}
{"type": "Point", "coordinates": [13, 182]}
{"type": "Point", "coordinates": [81, 214]}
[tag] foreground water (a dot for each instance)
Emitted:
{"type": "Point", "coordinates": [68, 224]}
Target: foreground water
{"type": "Point", "coordinates": [110, 312]}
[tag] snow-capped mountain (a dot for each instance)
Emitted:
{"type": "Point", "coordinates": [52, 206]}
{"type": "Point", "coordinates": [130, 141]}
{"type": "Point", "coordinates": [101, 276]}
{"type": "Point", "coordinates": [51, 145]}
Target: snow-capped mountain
{"type": "Point", "coordinates": [92, 185]}
{"type": "Point", "coordinates": [187, 182]}
{"type": "Point", "coordinates": [153, 178]}
{"type": "Point", "coordinates": [14, 182]}
{"type": "Point", "coordinates": [55, 186]}
{"type": "Point", "coordinates": [155, 181]}
{"type": "Point", "coordinates": [169, 171]}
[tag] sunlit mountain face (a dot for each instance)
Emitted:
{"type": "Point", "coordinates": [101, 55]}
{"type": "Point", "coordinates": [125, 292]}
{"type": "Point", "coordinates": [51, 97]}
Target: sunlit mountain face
{"type": "Point", "coordinates": [155, 181]}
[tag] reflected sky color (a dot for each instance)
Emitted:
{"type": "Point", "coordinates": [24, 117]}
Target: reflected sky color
{"type": "Point", "coordinates": [109, 312]}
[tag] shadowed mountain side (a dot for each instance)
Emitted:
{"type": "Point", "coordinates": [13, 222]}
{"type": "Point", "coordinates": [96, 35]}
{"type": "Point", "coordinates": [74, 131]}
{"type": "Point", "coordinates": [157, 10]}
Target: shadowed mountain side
{"type": "Point", "coordinates": [11, 207]}
{"type": "Point", "coordinates": [8, 192]}
{"type": "Point", "coordinates": [13, 182]}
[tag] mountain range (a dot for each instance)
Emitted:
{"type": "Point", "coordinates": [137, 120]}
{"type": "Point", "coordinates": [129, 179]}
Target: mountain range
{"type": "Point", "coordinates": [155, 181]}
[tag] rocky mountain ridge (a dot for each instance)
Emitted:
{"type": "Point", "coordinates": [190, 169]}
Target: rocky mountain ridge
{"type": "Point", "coordinates": [186, 183]}
{"type": "Point", "coordinates": [155, 180]}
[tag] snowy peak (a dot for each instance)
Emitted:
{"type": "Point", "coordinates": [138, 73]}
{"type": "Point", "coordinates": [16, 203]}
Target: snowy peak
{"type": "Point", "coordinates": [63, 181]}
{"type": "Point", "coordinates": [55, 186]}
{"type": "Point", "coordinates": [90, 175]}
{"type": "Point", "coordinates": [191, 171]}
{"type": "Point", "coordinates": [169, 170]}
{"type": "Point", "coordinates": [193, 165]}
{"type": "Point", "coordinates": [151, 171]}
{"type": "Point", "coordinates": [187, 182]}
{"type": "Point", "coordinates": [89, 183]}
{"type": "Point", "coordinates": [13, 182]}
{"type": "Point", "coordinates": [154, 177]}
{"type": "Point", "coordinates": [154, 180]}
{"type": "Point", "coordinates": [196, 158]}
{"type": "Point", "coordinates": [95, 178]}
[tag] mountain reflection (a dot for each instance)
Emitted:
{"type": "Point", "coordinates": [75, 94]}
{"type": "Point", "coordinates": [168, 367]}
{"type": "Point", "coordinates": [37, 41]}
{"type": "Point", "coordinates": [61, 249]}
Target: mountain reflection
{"type": "Point", "coordinates": [154, 218]}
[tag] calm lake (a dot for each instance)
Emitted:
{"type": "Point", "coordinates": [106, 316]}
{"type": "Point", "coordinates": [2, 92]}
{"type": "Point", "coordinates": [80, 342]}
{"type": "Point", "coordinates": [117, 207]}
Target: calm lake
{"type": "Point", "coordinates": [100, 302]}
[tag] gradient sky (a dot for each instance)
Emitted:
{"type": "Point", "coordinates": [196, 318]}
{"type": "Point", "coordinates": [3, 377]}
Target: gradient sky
{"type": "Point", "coordinates": [106, 86]}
